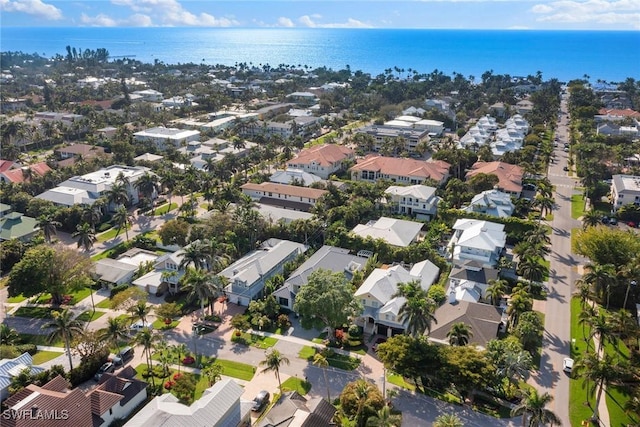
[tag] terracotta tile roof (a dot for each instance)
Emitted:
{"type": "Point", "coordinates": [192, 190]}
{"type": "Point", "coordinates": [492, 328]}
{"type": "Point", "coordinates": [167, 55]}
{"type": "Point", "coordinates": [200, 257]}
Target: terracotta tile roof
{"type": "Point", "coordinates": [289, 190]}
{"type": "Point", "coordinates": [627, 112]}
{"type": "Point", "coordinates": [16, 175]}
{"type": "Point", "coordinates": [5, 165]}
{"type": "Point", "coordinates": [324, 155]}
{"type": "Point", "coordinates": [82, 149]}
{"type": "Point", "coordinates": [59, 383]}
{"type": "Point", "coordinates": [102, 400]}
{"type": "Point", "coordinates": [437, 170]}
{"type": "Point", "coordinates": [509, 176]}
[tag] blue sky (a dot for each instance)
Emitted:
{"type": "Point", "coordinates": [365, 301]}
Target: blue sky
{"type": "Point", "coordinates": [455, 14]}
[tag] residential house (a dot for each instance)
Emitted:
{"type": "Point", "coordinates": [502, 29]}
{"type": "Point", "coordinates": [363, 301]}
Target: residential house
{"type": "Point", "coordinates": [148, 157]}
{"type": "Point", "coordinates": [88, 188]}
{"type": "Point", "coordinates": [440, 105]}
{"type": "Point", "coordinates": [326, 258]}
{"type": "Point", "coordinates": [469, 280]}
{"type": "Point", "coordinates": [613, 115]}
{"type": "Point", "coordinates": [303, 98]}
{"type": "Point", "coordinates": [400, 170]}
{"type": "Point", "coordinates": [381, 307]}
{"type": "Point", "coordinates": [524, 107]}
{"type": "Point", "coordinates": [625, 190]}
{"type": "Point", "coordinates": [9, 368]}
{"type": "Point", "coordinates": [56, 405]}
{"type": "Point", "coordinates": [12, 104]}
{"type": "Point", "coordinates": [149, 95]}
{"type": "Point", "coordinates": [14, 225]}
{"type": "Point", "coordinates": [294, 410]}
{"type": "Point", "coordinates": [294, 177]}
{"type": "Point", "coordinates": [165, 276]}
{"type": "Point", "coordinates": [478, 240]}
{"type": "Point", "coordinates": [248, 275]}
{"type": "Point", "coordinates": [17, 175]}
{"type": "Point", "coordinates": [69, 154]}
{"type": "Point", "coordinates": [410, 135]}
{"type": "Point", "coordinates": [283, 195]}
{"type": "Point", "coordinates": [164, 137]}
{"type": "Point", "coordinates": [485, 322]}
{"type": "Point", "coordinates": [274, 214]}
{"type": "Point", "coordinates": [509, 176]}
{"type": "Point", "coordinates": [511, 137]}
{"type": "Point", "coordinates": [322, 160]}
{"type": "Point", "coordinates": [114, 272]}
{"type": "Point", "coordinates": [397, 232]}
{"type": "Point", "coordinates": [491, 202]}
{"type": "Point", "coordinates": [418, 200]}
{"type": "Point", "coordinates": [220, 406]}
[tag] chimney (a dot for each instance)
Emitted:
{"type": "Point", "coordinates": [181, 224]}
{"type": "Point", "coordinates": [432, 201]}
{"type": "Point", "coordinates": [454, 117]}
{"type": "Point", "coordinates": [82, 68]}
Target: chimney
{"type": "Point", "coordinates": [34, 411]}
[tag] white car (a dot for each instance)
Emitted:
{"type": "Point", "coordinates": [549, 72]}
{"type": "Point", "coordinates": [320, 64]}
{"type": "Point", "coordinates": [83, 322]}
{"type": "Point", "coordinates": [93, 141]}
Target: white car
{"type": "Point", "coordinates": [567, 364]}
{"type": "Point", "coordinates": [139, 325]}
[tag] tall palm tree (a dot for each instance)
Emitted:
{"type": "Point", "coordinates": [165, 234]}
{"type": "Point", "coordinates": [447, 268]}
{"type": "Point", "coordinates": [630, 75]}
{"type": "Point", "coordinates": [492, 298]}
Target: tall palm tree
{"type": "Point", "coordinates": [66, 327]}
{"type": "Point", "coordinates": [496, 290]}
{"type": "Point", "coordinates": [417, 310]}
{"type": "Point", "coordinates": [603, 328]}
{"type": "Point", "coordinates": [448, 420]}
{"type": "Point", "coordinates": [591, 218]}
{"type": "Point", "coordinates": [459, 334]}
{"type": "Point", "coordinates": [519, 303]}
{"type": "Point", "coordinates": [545, 204]}
{"type": "Point", "coordinates": [202, 285]}
{"type": "Point", "coordinates": [146, 338]}
{"type": "Point", "coordinates": [384, 418]}
{"type": "Point", "coordinates": [122, 219]}
{"type": "Point", "coordinates": [533, 405]}
{"type": "Point", "coordinates": [86, 236]}
{"type": "Point", "coordinates": [213, 373]}
{"type": "Point", "coordinates": [8, 335]}
{"type": "Point", "coordinates": [139, 311]}
{"type": "Point", "coordinates": [601, 278]}
{"type": "Point", "coordinates": [147, 185]}
{"type": "Point", "coordinates": [196, 254]}
{"type": "Point", "coordinates": [320, 360]}
{"type": "Point", "coordinates": [537, 236]}
{"type": "Point", "coordinates": [115, 331]}
{"type": "Point", "coordinates": [532, 269]}
{"type": "Point", "coordinates": [274, 359]}
{"type": "Point", "coordinates": [117, 195]}
{"type": "Point", "coordinates": [49, 226]}
{"type": "Point", "coordinates": [597, 371]}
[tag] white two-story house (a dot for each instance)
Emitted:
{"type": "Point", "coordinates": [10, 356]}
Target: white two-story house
{"type": "Point", "coordinates": [625, 190]}
{"type": "Point", "coordinates": [419, 201]}
{"type": "Point", "coordinates": [477, 240]}
{"type": "Point", "coordinates": [322, 160]}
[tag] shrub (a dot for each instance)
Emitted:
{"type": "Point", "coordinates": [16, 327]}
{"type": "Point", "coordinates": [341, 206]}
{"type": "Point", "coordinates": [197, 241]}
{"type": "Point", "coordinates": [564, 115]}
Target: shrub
{"type": "Point", "coordinates": [184, 387]}
{"type": "Point", "coordinates": [241, 322]}
{"type": "Point", "coordinates": [169, 384]}
{"type": "Point", "coordinates": [117, 289]}
{"type": "Point", "coordinates": [88, 368]}
{"type": "Point", "coordinates": [103, 227]}
{"type": "Point", "coordinates": [189, 360]}
{"type": "Point", "coordinates": [340, 336]}
{"type": "Point", "coordinates": [354, 331]}
{"type": "Point", "coordinates": [283, 321]}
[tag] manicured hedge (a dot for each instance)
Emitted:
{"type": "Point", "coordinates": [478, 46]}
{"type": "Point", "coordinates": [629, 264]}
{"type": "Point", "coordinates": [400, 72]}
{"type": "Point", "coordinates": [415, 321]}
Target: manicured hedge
{"type": "Point", "coordinates": [117, 289]}
{"type": "Point", "coordinates": [87, 369]}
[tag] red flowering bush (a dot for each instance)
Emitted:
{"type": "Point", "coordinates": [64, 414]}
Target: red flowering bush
{"type": "Point", "coordinates": [189, 360]}
{"type": "Point", "coordinates": [340, 335]}
{"type": "Point", "coordinates": [169, 384]}
{"type": "Point", "coordinates": [176, 376]}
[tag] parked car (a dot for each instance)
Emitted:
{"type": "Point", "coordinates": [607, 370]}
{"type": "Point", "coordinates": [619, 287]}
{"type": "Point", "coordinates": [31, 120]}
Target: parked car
{"type": "Point", "coordinates": [139, 325]}
{"type": "Point", "coordinates": [107, 367]}
{"type": "Point", "coordinates": [605, 220]}
{"type": "Point", "coordinates": [613, 221]}
{"type": "Point", "coordinates": [260, 401]}
{"type": "Point", "coordinates": [378, 342]}
{"type": "Point", "coordinates": [123, 356]}
{"type": "Point", "coordinates": [566, 168]}
{"type": "Point", "coordinates": [567, 365]}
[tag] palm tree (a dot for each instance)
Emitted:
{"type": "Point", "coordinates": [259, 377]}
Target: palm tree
{"type": "Point", "coordinates": [65, 327]}
{"type": "Point", "coordinates": [147, 185]}
{"type": "Point", "coordinates": [599, 372]}
{"type": "Point", "coordinates": [448, 420]}
{"type": "Point", "coordinates": [213, 373]}
{"type": "Point", "coordinates": [532, 269]}
{"type": "Point", "coordinates": [417, 310]}
{"type": "Point", "coordinates": [115, 331]}
{"type": "Point", "coordinates": [49, 226]}
{"type": "Point", "coordinates": [320, 360]}
{"type": "Point", "coordinates": [86, 236]}
{"type": "Point", "coordinates": [140, 311]}
{"type": "Point", "coordinates": [8, 335]}
{"type": "Point", "coordinates": [146, 338]}
{"type": "Point", "coordinates": [537, 236]}
{"type": "Point", "coordinates": [202, 285]}
{"type": "Point", "coordinates": [274, 359]}
{"type": "Point", "coordinates": [533, 405]}
{"type": "Point", "coordinates": [117, 195]}
{"type": "Point", "coordinates": [91, 214]}
{"type": "Point", "coordinates": [459, 334]}
{"type": "Point", "coordinates": [496, 290]}
{"type": "Point", "coordinates": [122, 219]}
{"type": "Point", "coordinates": [196, 254]}
{"type": "Point", "coordinates": [515, 366]}
{"type": "Point", "coordinates": [519, 303]}
{"type": "Point", "coordinates": [545, 204]}
{"type": "Point", "coordinates": [591, 218]}
{"type": "Point", "coordinates": [602, 328]}
{"type": "Point", "coordinates": [384, 418]}
{"type": "Point", "coordinates": [601, 278]}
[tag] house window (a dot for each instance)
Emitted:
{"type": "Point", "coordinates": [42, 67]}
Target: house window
{"type": "Point", "coordinates": [283, 301]}
{"type": "Point", "coordinates": [364, 302]}
{"type": "Point", "coordinates": [110, 411]}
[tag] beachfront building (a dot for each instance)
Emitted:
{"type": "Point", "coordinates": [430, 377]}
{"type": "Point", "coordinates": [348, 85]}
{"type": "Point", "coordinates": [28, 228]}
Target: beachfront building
{"type": "Point", "coordinates": [419, 201]}
{"type": "Point", "coordinates": [400, 170]}
{"type": "Point", "coordinates": [625, 190]}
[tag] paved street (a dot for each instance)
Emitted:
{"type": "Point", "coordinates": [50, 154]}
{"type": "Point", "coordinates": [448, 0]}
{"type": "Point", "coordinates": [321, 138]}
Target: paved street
{"type": "Point", "coordinates": [562, 276]}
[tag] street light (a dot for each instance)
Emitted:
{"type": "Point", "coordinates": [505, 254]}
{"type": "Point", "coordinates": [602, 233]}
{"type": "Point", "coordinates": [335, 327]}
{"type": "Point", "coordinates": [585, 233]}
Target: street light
{"type": "Point", "coordinates": [626, 296]}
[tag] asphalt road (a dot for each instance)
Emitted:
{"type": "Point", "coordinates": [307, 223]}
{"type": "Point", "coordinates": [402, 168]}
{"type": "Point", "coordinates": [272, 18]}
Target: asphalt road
{"type": "Point", "coordinates": [562, 276]}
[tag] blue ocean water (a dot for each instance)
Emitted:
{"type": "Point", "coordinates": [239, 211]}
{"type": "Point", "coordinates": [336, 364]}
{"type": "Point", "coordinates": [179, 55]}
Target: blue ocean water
{"type": "Point", "coordinates": [606, 55]}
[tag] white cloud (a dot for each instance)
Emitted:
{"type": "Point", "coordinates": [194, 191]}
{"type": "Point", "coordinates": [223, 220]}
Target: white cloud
{"type": "Point", "coordinates": [139, 20]}
{"type": "Point", "coordinates": [172, 13]}
{"type": "Point", "coordinates": [310, 21]}
{"type": "Point", "coordinates": [285, 22]}
{"type": "Point", "coordinates": [32, 7]}
{"type": "Point", "coordinates": [100, 20]}
{"type": "Point", "coordinates": [623, 12]}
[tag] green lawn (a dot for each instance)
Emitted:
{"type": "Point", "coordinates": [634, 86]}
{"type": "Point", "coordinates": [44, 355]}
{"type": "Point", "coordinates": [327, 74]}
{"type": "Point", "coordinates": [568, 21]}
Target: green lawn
{"type": "Point", "coordinates": [40, 340]}
{"type": "Point", "coordinates": [296, 384]}
{"type": "Point", "coordinates": [159, 325]}
{"type": "Point", "coordinates": [234, 369]}
{"type": "Point", "coordinates": [578, 410]}
{"type": "Point", "coordinates": [255, 340]}
{"type": "Point", "coordinates": [165, 208]}
{"type": "Point", "coordinates": [16, 299]}
{"type": "Point", "coordinates": [45, 356]}
{"type": "Point", "coordinates": [34, 312]}
{"type": "Point", "coordinates": [79, 295]}
{"type": "Point", "coordinates": [335, 360]}
{"type": "Point", "coordinates": [106, 303]}
{"type": "Point", "coordinates": [111, 233]}
{"type": "Point", "coordinates": [88, 316]}
{"type": "Point", "coordinates": [616, 399]}
{"type": "Point", "coordinates": [398, 380]}
{"type": "Point", "coordinates": [577, 206]}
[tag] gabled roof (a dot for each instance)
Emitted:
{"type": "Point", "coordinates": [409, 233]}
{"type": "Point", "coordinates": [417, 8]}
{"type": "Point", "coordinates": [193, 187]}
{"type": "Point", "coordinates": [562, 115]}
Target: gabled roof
{"type": "Point", "coordinates": [297, 411]}
{"type": "Point", "coordinates": [289, 190]}
{"type": "Point", "coordinates": [437, 170]}
{"type": "Point", "coordinates": [327, 258]}
{"type": "Point", "coordinates": [509, 176]}
{"type": "Point", "coordinates": [419, 191]}
{"type": "Point", "coordinates": [396, 232]}
{"type": "Point", "coordinates": [17, 175]}
{"type": "Point", "coordinates": [473, 272]}
{"type": "Point", "coordinates": [5, 165]}
{"type": "Point", "coordinates": [12, 367]}
{"type": "Point", "coordinates": [289, 175]}
{"type": "Point", "coordinates": [484, 320]}
{"type": "Point", "coordinates": [324, 155]}
{"type": "Point", "coordinates": [213, 407]}
{"type": "Point", "coordinates": [479, 234]}
{"type": "Point", "coordinates": [492, 202]}
{"type": "Point", "coordinates": [82, 149]}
